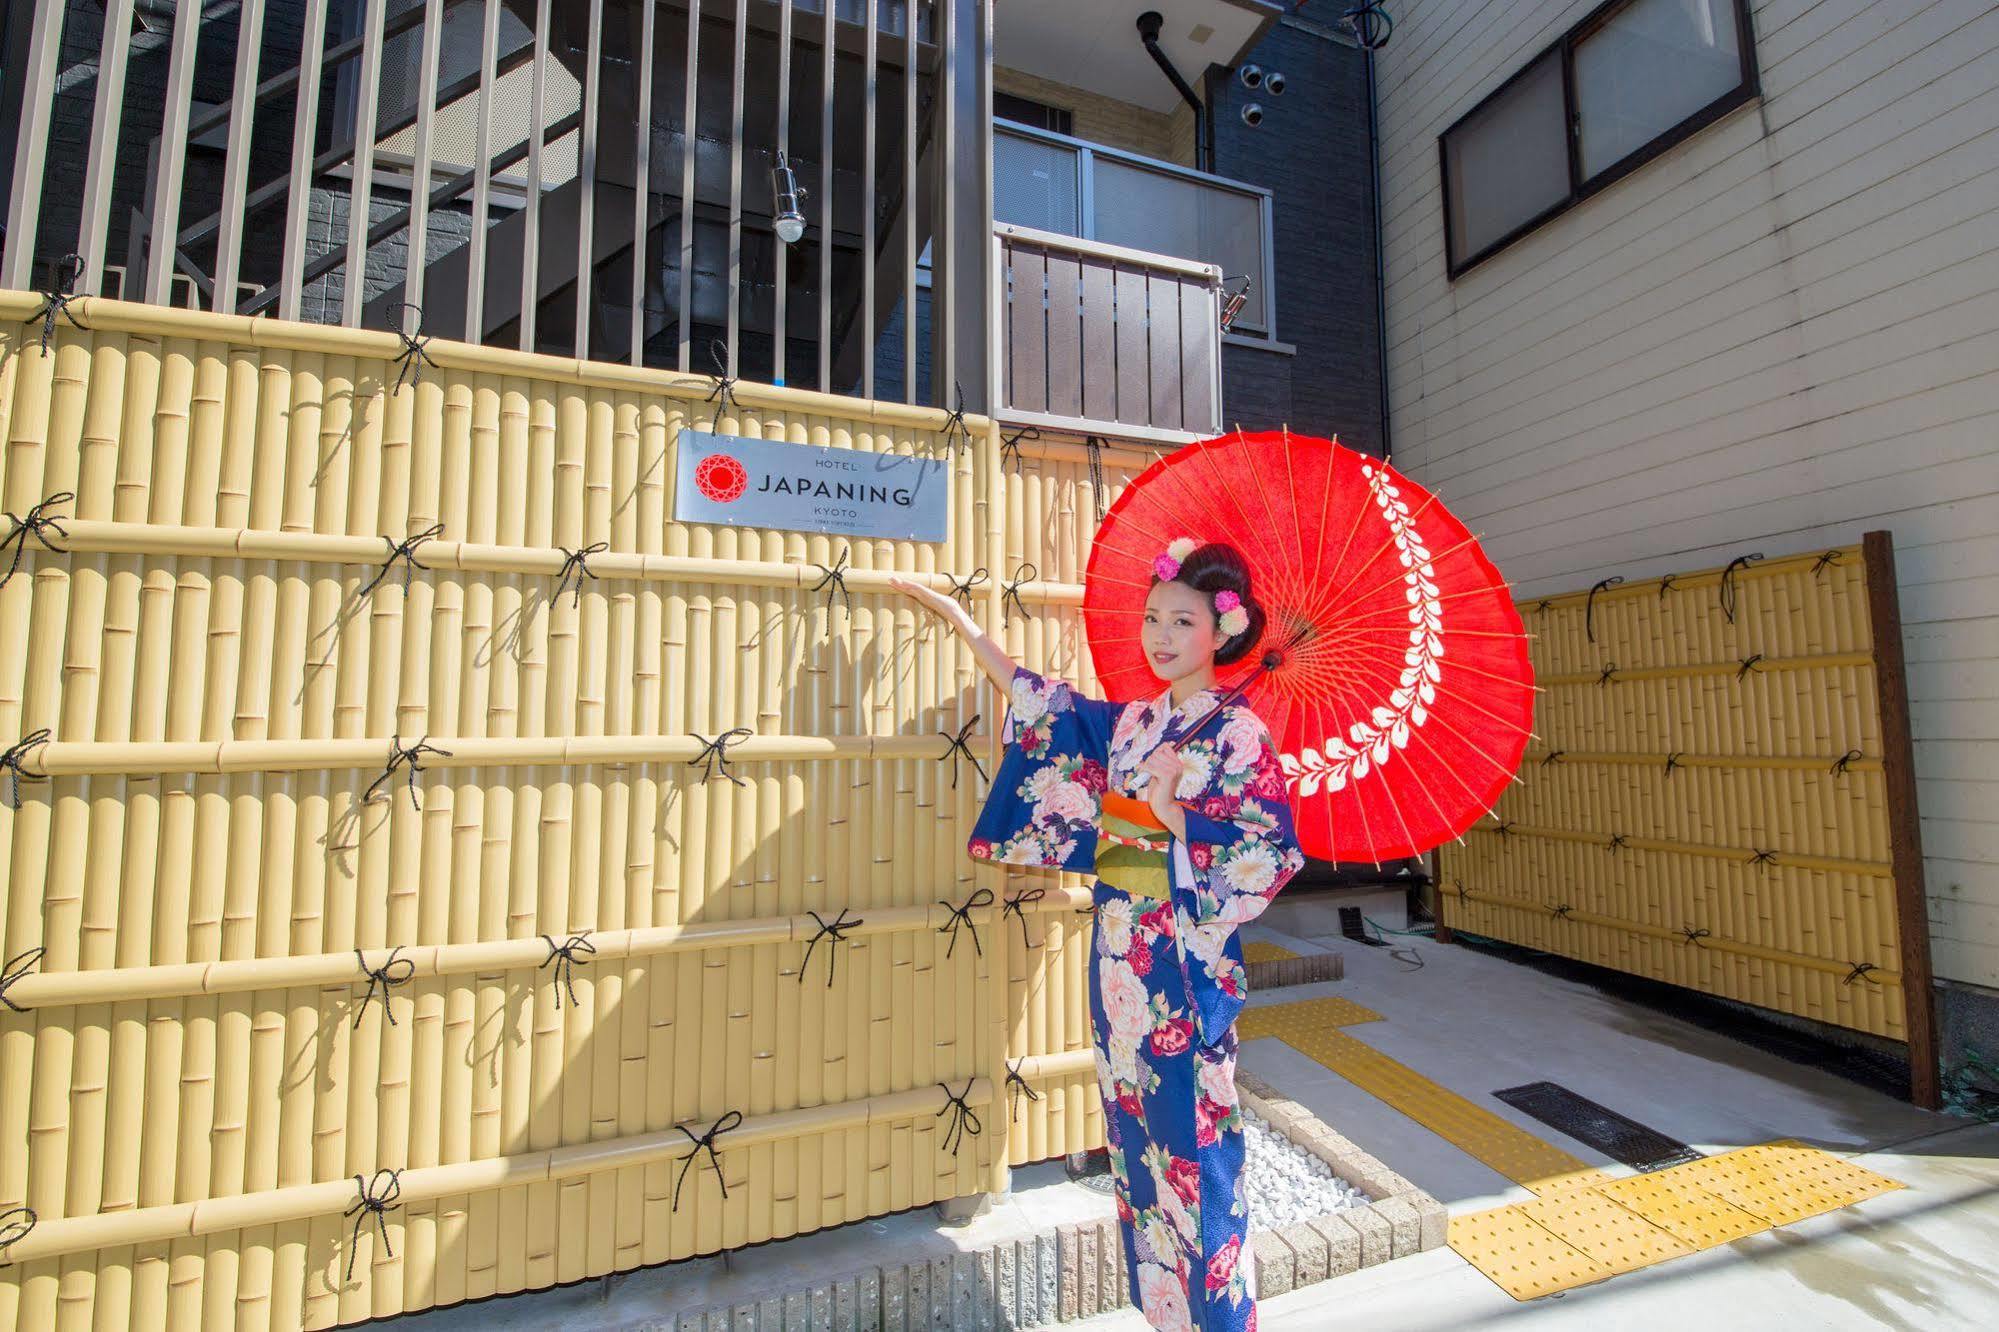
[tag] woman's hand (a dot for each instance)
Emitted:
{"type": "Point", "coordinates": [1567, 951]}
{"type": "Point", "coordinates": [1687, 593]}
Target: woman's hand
{"type": "Point", "coordinates": [1164, 767]}
{"type": "Point", "coordinates": [945, 608]}
{"type": "Point", "coordinates": [991, 657]}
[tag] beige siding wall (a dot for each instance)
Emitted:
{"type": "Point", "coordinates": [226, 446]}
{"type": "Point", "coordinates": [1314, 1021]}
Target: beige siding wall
{"type": "Point", "coordinates": [1105, 120]}
{"type": "Point", "coordinates": [1780, 334]}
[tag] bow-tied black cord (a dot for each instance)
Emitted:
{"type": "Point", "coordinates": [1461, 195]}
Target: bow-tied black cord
{"type": "Point", "coordinates": [19, 965]}
{"type": "Point", "coordinates": [15, 1225]}
{"type": "Point", "coordinates": [1860, 972]}
{"type": "Point", "coordinates": [963, 1117]}
{"type": "Point", "coordinates": [576, 562]}
{"type": "Point", "coordinates": [1589, 607]}
{"type": "Point", "coordinates": [706, 1143]}
{"type": "Point", "coordinates": [965, 588]}
{"type": "Point", "coordinates": [1010, 446]}
{"type": "Point", "coordinates": [715, 753]}
{"type": "Point", "coordinates": [836, 930]}
{"type": "Point", "coordinates": [959, 747]}
{"type": "Point", "coordinates": [564, 956]}
{"type": "Point", "coordinates": [376, 1198]}
{"type": "Point", "coordinates": [1504, 828]}
{"type": "Point", "coordinates": [1464, 893]}
{"type": "Point", "coordinates": [1666, 585]}
{"type": "Point", "coordinates": [37, 525]}
{"type": "Point", "coordinates": [1694, 936]}
{"type": "Point", "coordinates": [404, 756]}
{"type": "Point", "coordinates": [1839, 764]}
{"type": "Point", "coordinates": [1093, 449]}
{"type": "Point", "coordinates": [1542, 605]}
{"type": "Point", "coordinates": [1763, 858]}
{"type": "Point", "coordinates": [1673, 761]}
{"type": "Point", "coordinates": [1016, 906]}
{"type": "Point", "coordinates": [1728, 582]}
{"type": "Point", "coordinates": [16, 754]}
{"type": "Point", "coordinates": [1017, 1087]}
{"type": "Point", "coordinates": [835, 582]}
{"type": "Point", "coordinates": [1552, 757]}
{"type": "Point", "coordinates": [412, 358]}
{"type": "Point", "coordinates": [381, 978]}
{"type": "Point", "coordinates": [724, 391]}
{"type": "Point", "coordinates": [404, 550]}
{"type": "Point", "coordinates": [1825, 561]}
{"type": "Point", "coordinates": [1561, 910]}
{"type": "Point", "coordinates": [1618, 840]}
{"type": "Point", "coordinates": [1609, 674]}
{"type": "Point", "coordinates": [67, 272]}
{"type": "Point", "coordinates": [1011, 596]}
{"type": "Point", "coordinates": [1748, 665]}
{"type": "Point", "coordinates": [954, 420]}
{"type": "Point", "coordinates": [962, 915]}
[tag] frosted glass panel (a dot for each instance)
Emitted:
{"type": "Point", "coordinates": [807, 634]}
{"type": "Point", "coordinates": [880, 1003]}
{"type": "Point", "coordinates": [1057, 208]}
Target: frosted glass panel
{"type": "Point", "coordinates": [1034, 185]}
{"type": "Point", "coordinates": [1649, 68]}
{"type": "Point", "coordinates": [1509, 163]}
{"type": "Point", "coordinates": [1149, 210]}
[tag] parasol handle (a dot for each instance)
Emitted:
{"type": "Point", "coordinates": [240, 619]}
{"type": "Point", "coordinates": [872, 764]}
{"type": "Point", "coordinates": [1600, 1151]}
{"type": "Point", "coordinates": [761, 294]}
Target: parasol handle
{"type": "Point", "coordinates": [1271, 661]}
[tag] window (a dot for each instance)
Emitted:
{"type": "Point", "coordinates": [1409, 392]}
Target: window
{"type": "Point", "coordinates": [1008, 106]}
{"type": "Point", "coordinates": [1617, 90]}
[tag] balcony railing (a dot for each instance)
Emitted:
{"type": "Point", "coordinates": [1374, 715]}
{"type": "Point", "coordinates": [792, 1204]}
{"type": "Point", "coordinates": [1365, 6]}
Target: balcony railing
{"type": "Point", "coordinates": [1055, 183]}
{"type": "Point", "coordinates": [1089, 334]}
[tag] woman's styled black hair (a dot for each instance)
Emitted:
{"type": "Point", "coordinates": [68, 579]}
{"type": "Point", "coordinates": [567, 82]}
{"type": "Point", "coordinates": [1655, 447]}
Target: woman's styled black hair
{"type": "Point", "coordinates": [1219, 567]}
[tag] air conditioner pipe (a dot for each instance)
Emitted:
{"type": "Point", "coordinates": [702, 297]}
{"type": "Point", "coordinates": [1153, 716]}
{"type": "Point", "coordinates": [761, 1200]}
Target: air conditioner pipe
{"type": "Point", "coordinates": [1149, 24]}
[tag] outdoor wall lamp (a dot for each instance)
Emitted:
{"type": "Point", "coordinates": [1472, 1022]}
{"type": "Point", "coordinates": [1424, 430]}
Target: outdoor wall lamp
{"type": "Point", "coordinates": [787, 218]}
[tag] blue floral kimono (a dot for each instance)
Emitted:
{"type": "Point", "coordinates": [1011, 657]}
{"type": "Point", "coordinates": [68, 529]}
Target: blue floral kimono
{"type": "Point", "coordinates": [1166, 974]}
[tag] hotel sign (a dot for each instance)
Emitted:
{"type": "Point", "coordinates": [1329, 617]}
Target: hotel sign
{"type": "Point", "coordinates": [805, 488]}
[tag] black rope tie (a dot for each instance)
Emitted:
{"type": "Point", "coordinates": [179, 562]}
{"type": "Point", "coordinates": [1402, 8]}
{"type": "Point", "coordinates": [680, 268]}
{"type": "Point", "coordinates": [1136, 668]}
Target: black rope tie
{"type": "Point", "coordinates": [1728, 582]}
{"type": "Point", "coordinates": [1666, 585]}
{"type": "Point", "coordinates": [1016, 906]}
{"type": "Point", "coordinates": [706, 1143]}
{"type": "Point", "coordinates": [67, 272]}
{"type": "Point", "coordinates": [564, 956]}
{"type": "Point", "coordinates": [1589, 607]}
{"type": "Point", "coordinates": [962, 915]}
{"type": "Point", "coordinates": [1609, 674]}
{"type": "Point", "coordinates": [15, 1225]}
{"type": "Point", "coordinates": [715, 754]}
{"type": "Point", "coordinates": [411, 360]}
{"type": "Point", "coordinates": [404, 756]}
{"type": "Point", "coordinates": [954, 422]}
{"type": "Point", "coordinates": [1093, 449]}
{"type": "Point", "coordinates": [381, 978]}
{"type": "Point", "coordinates": [1694, 936]}
{"type": "Point", "coordinates": [963, 1117]}
{"type": "Point", "coordinates": [1542, 605]}
{"type": "Point", "coordinates": [1839, 765]}
{"type": "Point", "coordinates": [1552, 757]}
{"type": "Point", "coordinates": [1561, 910]}
{"type": "Point", "coordinates": [724, 391]}
{"type": "Point", "coordinates": [1464, 893]}
{"type": "Point", "coordinates": [835, 582]}
{"type": "Point", "coordinates": [1503, 828]}
{"type": "Point", "coordinates": [1618, 840]}
{"type": "Point", "coordinates": [576, 563]}
{"type": "Point", "coordinates": [36, 526]}
{"type": "Point", "coordinates": [376, 1198]}
{"type": "Point", "coordinates": [836, 930]}
{"type": "Point", "coordinates": [16, 754]}
{"type": "Point", "coordinates": [1763, 858]}
{"type": "Point", "coordinates": [959, 747]}
{"type": "Point", "coordinates": [1010, 446]}
{"type": "Point", "coordinates": [1011, 597]}
{"type": "Point", "coordinates": [1825, 561]}
{"type": "Point", "coordinates": [1017, 1087]}
{"type": "Point", "coordinates": [964, 589]}
{"type": "Point", "coordinates": [404, 550]}
{"type": "Point", "coordinates": [18, 966]}
{"type": "Point", "coordinates": [1673, 761]}
{"type": "Point", "coordinates": [1748, 665]}
{"type": "Point", "coordinates": [1860, 972]}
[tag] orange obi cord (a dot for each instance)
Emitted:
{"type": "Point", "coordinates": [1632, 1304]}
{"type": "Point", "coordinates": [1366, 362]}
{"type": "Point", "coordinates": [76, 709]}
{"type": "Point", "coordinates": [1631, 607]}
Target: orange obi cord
{"type": "Point", "coordinates": [1131, 811]}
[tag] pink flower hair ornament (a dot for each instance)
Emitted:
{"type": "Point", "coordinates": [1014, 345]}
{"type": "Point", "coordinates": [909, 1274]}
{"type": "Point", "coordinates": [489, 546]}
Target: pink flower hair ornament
{"type": "Point", "coordinates": [1231, 618]}
{"type": "Point", "coordinates": [1166, 567]}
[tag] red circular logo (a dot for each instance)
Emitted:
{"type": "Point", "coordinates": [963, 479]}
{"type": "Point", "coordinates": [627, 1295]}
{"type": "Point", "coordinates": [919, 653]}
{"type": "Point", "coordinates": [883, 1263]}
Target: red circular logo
{"type": "Point", "coordinates": [721, 478]}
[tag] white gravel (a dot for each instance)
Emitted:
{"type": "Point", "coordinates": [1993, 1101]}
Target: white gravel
{"type": "Point", "coordinates": [1283, 1183]}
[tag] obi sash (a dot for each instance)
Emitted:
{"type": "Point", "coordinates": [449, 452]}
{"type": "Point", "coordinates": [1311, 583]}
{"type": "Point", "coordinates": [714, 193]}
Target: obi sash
{"type": "Point", "coordinates": [1133, 848]}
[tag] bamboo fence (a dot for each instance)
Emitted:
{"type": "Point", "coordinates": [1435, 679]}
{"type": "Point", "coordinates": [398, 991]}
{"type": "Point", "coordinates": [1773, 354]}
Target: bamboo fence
{"type": "Point", "coordinates": [1720, 795]}
{"type": "Point", "coordinates": [392, 919]}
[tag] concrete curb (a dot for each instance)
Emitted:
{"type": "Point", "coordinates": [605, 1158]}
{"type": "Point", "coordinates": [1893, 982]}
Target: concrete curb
{"type": "Point", "coordinates": [1305, 970]}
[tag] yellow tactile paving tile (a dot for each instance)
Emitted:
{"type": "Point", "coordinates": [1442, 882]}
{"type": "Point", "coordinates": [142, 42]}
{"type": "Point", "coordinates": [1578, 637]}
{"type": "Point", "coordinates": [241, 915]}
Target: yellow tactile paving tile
{"type": "Point", "coordinates": [1524, 1258]}
{"type": "Point", "coordinates": [1614, 1237]}
{"type": "Point", "coordinates": [1262, 950]}
{"type": "Point", "coordinates": [1785, 1182]}
{"type": "Point", "coordinates": [1683, 1209]}
{"type": "Point", "coordinates": [1302, 1016]}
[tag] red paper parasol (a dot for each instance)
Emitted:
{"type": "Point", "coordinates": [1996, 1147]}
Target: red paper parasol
{"type": "Point", "coordinates": [1397, 688]}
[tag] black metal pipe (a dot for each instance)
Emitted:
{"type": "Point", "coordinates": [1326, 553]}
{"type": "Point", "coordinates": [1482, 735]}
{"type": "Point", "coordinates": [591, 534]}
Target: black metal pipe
{"type": "Point", "coordinates": [1149, 24]}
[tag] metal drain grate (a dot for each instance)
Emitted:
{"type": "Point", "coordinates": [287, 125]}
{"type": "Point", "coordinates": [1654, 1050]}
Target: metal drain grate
{"type": "Point", "coordinates": [1617, 1137]}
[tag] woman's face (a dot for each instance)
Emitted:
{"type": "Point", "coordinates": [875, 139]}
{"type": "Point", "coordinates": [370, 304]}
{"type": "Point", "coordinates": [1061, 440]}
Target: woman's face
{"type": "Point", "coordinates": [1179, 632]}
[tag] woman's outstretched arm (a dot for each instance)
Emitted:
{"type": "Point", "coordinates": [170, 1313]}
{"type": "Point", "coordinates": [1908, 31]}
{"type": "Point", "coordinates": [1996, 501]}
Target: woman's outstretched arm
{"type": "Point", "coordinates": [992, 658]}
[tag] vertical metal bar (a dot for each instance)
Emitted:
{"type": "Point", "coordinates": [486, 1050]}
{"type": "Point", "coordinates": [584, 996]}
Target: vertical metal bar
{"type": "Point", "coordinates": [104, 140]}
{"type": "Point", "coordinates": [736, 183]}
{"type": "Point", "coordinates": [482, 178]}
{"type": "Point", "coordinates": [826, 48]}
{"type": "Point", "coordinates": [642, 183]}
{"type": "Point", "coordinates": [361, 184]}
{"type": "Point", "coordinates": [236, 166]}
{"type": "Point", "coordinates": [426, 106]}
{"type": "Point", "coordinates": [305, 139]}
{"type": "Point", "coordinates": [689, 150]}
{"type": "Point", "coordinates": [909, 209]}
{"type": "Point", "coordinates": [867, 329]}
{"type": "Point", "coordinates": [164, 222]}
{"type": "Point", "coordinates": [783, 146]}
{"type": "Point", "coordinates": [24, 203]}
{"type": "Point", "coordinates": [531, 224]}
{"type": "Point", "coordinates": [944, 265]}
{"type": "Point", "coordinates": [586, 181]}
{"type": "Point", "coordinates": [1086, 194]}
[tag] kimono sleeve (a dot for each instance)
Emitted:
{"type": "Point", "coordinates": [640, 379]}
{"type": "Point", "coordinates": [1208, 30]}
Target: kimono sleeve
{"type": "Point", "coordinates": [1045, 798]}
{"type": "Point", "coordinates": [1239, 832]}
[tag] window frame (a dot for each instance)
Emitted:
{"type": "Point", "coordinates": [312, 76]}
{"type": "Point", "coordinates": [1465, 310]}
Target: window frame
{"type": "Point", "coordinates": [1747, 89]}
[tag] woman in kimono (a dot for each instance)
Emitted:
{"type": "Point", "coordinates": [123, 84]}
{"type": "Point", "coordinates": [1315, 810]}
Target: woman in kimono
{"type": "Point", "coordinates": [1181, 813]}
